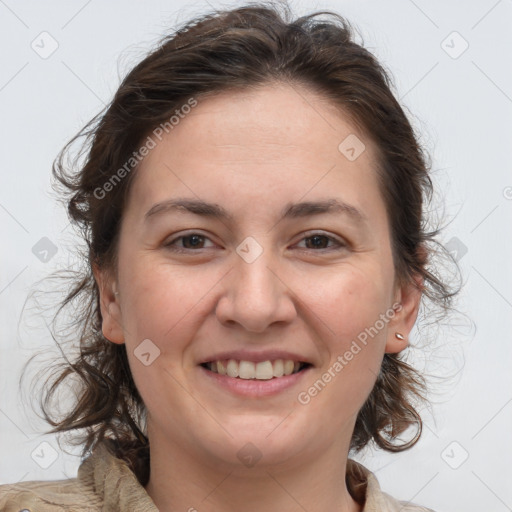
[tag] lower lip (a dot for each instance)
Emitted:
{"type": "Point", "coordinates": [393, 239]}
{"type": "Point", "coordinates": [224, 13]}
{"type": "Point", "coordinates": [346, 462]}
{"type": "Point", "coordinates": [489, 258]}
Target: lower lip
{"type": "Point", "coordinates": [253, 387]}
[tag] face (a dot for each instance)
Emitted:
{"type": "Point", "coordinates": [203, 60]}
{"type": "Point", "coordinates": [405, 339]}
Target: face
{"type": "Point", "coordinates": [250, 236]}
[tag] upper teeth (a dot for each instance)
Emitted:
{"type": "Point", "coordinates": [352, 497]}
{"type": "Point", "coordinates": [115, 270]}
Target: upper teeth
{"type": "Point", "coordinates": [264, 370]}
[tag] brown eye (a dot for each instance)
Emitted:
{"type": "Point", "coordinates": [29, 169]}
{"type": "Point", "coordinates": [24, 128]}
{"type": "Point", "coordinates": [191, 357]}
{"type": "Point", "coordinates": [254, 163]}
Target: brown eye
{"type": "Point", "coordinates": [317, 242]}
{"type": "Point", "coordinates": [187, 242]}
{"type": "Point", "coordinates": [192, 241]}
{"type": "Point", "coordinates": [320, 242]}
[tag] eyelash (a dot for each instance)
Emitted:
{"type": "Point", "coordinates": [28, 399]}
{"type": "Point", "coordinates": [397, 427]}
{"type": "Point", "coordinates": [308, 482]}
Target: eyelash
{"type": "Point", "coordinates": [341, 244]}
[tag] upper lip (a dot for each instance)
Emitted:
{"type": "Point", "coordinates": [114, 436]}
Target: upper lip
{"type": "Point", "coordinates": [254, 356]}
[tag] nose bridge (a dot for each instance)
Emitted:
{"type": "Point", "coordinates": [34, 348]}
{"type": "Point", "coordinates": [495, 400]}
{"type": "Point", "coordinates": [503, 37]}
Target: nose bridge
{"type": "Point", "coordinates": [255, 280]}
{"type": "Point", "coordinates": [255, 297]}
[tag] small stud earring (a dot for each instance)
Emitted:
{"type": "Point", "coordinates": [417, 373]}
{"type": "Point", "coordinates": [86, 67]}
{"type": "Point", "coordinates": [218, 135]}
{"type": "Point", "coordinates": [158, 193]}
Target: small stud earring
{"type": "Point", "coordinates": [399, 336]}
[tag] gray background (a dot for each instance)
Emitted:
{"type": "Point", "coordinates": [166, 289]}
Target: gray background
{"type": "Point", "coordinates": [461, 101]}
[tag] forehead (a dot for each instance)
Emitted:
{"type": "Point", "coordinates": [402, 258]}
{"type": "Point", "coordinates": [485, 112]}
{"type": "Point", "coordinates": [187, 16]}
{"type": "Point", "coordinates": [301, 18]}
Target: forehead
{"type": "Point", "coordinates": [275, 116]}
{"type": "Point", "coordinates": [272, 144]}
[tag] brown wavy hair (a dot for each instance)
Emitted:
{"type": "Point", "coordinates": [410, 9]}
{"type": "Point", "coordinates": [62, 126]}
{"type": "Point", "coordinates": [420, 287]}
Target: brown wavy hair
{"type": "Point", "coordinates": [249, 46]}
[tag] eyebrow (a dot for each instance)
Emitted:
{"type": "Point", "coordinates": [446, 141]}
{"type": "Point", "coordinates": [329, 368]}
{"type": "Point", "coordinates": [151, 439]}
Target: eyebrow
{"type": "Point", "coordinates": [290, 211]}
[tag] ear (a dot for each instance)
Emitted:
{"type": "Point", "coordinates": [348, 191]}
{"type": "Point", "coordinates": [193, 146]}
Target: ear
{"type": "Point", "coordinates": [109, 304]}
{"type": "Point", "coordinates": [407, 302]}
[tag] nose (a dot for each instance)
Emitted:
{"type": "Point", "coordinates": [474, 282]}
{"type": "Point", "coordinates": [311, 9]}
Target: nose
{"type": "Point", "coordinates": [256, 296]}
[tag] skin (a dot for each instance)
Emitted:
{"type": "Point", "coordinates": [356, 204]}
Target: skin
{"type": "Point", "coordinates": [253, 152]}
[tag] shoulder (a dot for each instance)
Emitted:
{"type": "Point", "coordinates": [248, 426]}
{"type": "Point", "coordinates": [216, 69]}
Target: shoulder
{"type": "Point", "coordinates": [45, 496]}
{"type": "Point", "coordinates": [365, 488]}
{"type": "Point", "coordinates": [402, 506]}
{"type": "Point", "coordinates": [103, 483]}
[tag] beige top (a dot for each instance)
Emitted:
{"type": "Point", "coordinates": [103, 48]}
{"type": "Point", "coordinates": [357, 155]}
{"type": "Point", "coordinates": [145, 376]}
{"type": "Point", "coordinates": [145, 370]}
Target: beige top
{"type": "Point", "coordinates": [106, 483]}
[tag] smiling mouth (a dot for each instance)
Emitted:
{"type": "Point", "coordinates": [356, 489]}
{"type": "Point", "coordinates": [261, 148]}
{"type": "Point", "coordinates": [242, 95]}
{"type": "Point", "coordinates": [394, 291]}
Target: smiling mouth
{"type": "Point", "coordinates": [249, 370]}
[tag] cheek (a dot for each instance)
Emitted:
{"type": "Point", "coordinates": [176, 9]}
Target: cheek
{"type": "Point", "coordinates": [156, 298]}
{"type": "Point", "coordinates": [349, 301]}
{"type": "Point", "coordinates": [160, 305]}
{"type": "Point", "coordinates": [351, 306]}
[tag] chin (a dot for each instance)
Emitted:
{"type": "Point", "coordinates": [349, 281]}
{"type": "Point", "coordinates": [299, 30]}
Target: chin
{"type": "Point", "coordinates": [260, 442]}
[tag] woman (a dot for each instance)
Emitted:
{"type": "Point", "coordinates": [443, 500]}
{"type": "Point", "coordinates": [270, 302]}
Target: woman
{"type": "Point", "coordinates": [253, 204]}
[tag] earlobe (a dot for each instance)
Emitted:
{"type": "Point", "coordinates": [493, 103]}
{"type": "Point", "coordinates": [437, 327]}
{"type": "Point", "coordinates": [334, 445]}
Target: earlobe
{"type": "Point", "coordinates": [111, 324]}
{"type": "Point", "coordinates": [396, 342]}
{"type": "Point", "coordinates": [400, 326]}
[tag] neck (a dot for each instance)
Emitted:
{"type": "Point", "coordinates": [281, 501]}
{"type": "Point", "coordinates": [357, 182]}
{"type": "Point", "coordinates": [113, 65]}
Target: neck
{"type": "Point", "coordinates": [180, 480]}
